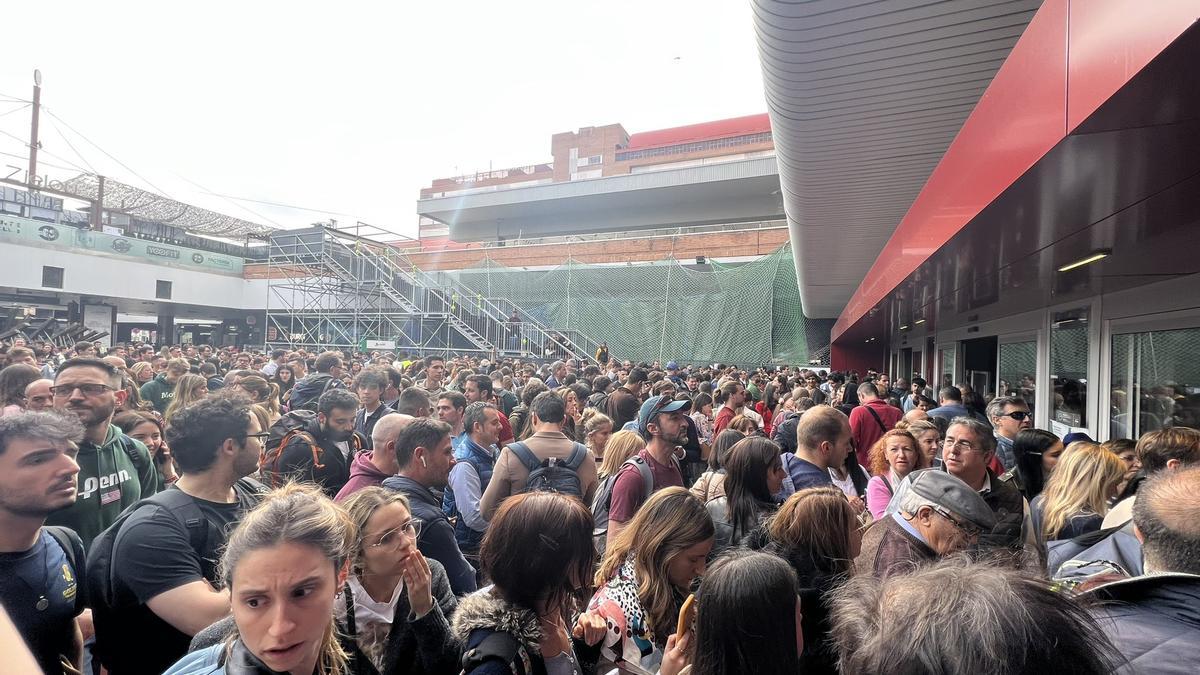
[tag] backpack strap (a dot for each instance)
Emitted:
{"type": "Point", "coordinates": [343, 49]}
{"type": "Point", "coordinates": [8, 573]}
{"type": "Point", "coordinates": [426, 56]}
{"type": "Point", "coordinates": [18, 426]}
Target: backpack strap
{"type": "Point", "coordinates": [578, 454]}
{"type": "Point", "coordinates": [644, 471]}
{"type": "Point", "coordinates": [523, 453]}
{"type": "Point", "coordinates": [283, 443]}
{"type": "Point", "coordinates": [127, 444]}
{"type": "Point", "coordinates": [887, 483]}
{"type": "Point", "coordinates": [72, 545]}
{"type": "Point", "coordinates": [499, 646]}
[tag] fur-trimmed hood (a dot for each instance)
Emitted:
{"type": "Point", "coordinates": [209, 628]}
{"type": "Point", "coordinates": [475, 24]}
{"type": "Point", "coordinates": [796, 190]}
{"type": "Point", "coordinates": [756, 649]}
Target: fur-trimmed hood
{"type": "Point", "coordinates": [485, 610]}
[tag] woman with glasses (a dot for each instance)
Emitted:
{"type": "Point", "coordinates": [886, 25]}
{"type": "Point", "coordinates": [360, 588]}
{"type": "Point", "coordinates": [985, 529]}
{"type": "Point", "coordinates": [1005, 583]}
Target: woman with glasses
{"type": "Point", "coordinates": [396, 602]}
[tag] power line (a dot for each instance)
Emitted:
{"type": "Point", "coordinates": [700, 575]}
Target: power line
{"type": "Point", "coordinates": [25, 143]}
{"type": "Point", "coordinates": [40, 163]}
{"type": "Point", "coordinates": [106, 154]}
{"type": "Point", "coordinates": [284, 206]}
{"type": "Point", "coordinates": [231, 201]}
{"type": "Point", "coordinates": [72, 147]}
{"type": "Point", "coordinates": [17, 109]}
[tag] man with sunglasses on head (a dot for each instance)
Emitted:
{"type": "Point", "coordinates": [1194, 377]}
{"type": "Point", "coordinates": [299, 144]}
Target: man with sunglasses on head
{"type": "Point", "coordinates": [1009, 416]}
{"type": "Point", "coordinates": [115, 471]}
{"type": "Point", "coordinates": [154, 576]}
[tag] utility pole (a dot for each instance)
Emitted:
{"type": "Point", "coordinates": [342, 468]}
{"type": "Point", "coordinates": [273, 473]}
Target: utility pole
{"type": "Point", "coordinates": [33, 131]}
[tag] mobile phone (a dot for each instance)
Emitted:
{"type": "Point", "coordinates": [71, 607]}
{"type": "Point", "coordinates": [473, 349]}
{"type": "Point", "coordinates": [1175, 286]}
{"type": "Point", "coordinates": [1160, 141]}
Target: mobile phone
{"type": "Point", "coordinates": [687, 614]}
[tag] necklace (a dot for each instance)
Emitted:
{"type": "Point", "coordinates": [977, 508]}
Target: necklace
{"type": "Point", "coordinates": [42, 603]}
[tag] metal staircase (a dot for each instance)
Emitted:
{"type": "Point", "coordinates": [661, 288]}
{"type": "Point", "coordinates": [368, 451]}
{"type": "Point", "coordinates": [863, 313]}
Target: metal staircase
{"type": "Point", "coordinates": [330, 288]}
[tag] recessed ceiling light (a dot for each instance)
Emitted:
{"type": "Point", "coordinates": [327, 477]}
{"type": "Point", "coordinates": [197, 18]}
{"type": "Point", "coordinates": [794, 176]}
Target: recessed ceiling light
{"type": "Point", "coordinates": [918, 322]}
{"type": "Point", "coordinates": [1096, 255]}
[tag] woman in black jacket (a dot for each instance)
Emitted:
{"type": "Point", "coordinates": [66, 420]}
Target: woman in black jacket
{"type": "Point", "coordinates": [817, 533]}
{"type": "Point", "coordinates": [395, 604]}
{"type": "Point", "coordinates": [754, 474]}
{"type": "Point", "coordinates": [538, 553]}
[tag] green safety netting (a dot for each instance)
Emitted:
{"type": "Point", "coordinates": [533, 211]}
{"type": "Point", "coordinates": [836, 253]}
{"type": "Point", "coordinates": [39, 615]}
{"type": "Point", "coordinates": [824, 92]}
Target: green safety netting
{"type": "Point", "coordinates": [730, 313]}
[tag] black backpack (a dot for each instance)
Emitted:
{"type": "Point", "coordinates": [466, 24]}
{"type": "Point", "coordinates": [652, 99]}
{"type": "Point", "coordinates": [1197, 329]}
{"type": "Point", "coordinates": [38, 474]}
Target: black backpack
{"type": "Point", "coordinates": [552, 474]}
{"type": "Point", "coordinates": [99, 572]}
{"type": "Point", "coordinates": [294, 423]}
{"type": "Point", "coordinates": [72, 545]}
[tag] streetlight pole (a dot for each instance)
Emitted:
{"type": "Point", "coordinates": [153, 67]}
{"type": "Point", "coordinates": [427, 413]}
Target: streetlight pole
{"type": "Point", "coordinates": [33, 131]}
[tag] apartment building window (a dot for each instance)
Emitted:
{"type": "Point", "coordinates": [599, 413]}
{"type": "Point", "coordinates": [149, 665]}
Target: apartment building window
{"type": "Point", "coordinates": [52, 277]}
{"type": "Point", "coordinates": [684, 148]}
{"type": "Point", "coordinates": [590, 161]}
{"type": "Point", "coordinates": [162, 290]}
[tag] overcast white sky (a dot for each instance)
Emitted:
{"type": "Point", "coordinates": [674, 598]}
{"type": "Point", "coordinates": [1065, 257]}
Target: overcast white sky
{"type": "Point", "coordinates": [352, 107]}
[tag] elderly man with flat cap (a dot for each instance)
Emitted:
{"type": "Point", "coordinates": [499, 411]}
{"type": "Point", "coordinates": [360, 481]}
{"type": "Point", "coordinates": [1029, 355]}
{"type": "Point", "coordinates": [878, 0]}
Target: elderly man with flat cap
{"type": "Point", "coordinates": [936, 516]}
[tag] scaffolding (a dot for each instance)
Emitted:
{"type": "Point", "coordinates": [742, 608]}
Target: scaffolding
{"type": "Point", "coordinates": [329, 287]}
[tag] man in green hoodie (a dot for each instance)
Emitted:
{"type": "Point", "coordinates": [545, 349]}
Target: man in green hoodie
{"type": "Point", "coordinates": [114, 470]}
{"type": "Point", "coordinates": [159, 391]}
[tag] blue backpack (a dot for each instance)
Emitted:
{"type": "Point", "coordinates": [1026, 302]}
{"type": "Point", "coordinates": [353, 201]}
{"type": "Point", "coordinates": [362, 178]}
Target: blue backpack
{"type": "Point", "coordinates": [552, 474]}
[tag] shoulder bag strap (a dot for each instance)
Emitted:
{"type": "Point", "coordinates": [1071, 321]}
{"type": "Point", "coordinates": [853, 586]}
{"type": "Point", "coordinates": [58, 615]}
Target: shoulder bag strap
{"type": "Point", "coordinates": [878, 421]}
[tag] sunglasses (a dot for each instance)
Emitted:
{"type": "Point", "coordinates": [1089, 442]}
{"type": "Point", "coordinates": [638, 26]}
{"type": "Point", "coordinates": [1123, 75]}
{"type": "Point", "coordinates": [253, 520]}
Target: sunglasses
{"type": "Point", "coordinates": [1019, 415]}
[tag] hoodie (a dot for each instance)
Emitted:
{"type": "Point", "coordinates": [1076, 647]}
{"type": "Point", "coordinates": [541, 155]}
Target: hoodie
{"type": "Point", "coordinates": [158, 393]}
{"type": "Point", "coordinates": [363, 473]}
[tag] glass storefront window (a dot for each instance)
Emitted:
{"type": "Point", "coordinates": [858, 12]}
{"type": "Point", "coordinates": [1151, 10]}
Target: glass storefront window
{"type": "Point", "coordinates": [1155, 381]}
{"type": "Point", "coordinates": [946, 356]}
{"type": "Point", "coordinates": [1068, 367]}
{"type": "Point", "coordinates": [1018, 365]}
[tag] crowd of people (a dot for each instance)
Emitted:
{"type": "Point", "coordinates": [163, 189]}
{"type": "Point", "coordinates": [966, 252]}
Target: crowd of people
{"type": "Point", "coordinates": [193, 510]}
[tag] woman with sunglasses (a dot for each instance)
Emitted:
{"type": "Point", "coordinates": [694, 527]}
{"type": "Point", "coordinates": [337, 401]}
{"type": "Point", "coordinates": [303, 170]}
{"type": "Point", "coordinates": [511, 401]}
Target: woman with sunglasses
{"type": "Point", "coordinates": [396, 602]}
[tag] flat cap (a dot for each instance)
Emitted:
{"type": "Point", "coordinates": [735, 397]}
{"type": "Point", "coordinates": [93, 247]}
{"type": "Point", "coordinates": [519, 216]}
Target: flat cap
{"type": "Point", "coordinates": [954, 495]}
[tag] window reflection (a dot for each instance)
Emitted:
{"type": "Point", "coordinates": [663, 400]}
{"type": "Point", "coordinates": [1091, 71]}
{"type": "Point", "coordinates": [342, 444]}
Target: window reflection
{"type": "Point", "coordinates": [1068, 367]}
{"type": "Point", "coordinates": [1155, 381]}
{"type": "Point", "coordinates": [1018, 363]}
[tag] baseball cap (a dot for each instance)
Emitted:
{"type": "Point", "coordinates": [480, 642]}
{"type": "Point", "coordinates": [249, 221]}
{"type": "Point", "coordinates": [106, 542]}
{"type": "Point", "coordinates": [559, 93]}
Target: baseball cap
{"type": "Point", "coordinates": [951, 493]}
{"type": "Point", "coordinates": [659, 404]}
{"type": "Point", "coordinates": [671, 365]}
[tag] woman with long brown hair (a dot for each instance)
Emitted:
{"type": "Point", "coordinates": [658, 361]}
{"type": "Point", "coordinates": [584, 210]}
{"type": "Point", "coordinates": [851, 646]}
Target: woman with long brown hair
{"type": "Point", "coordinates": [753, 476]}
{"type": "Point", "coordinates": [646, 575]}
{"type": "Point", "coordinates": [817, 532]}
{"type": "Point", "coordinates": [538, 553]}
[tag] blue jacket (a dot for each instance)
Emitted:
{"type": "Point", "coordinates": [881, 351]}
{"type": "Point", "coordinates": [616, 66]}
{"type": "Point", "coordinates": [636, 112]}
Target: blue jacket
{"type": "Point", "coordinates": [437, 535]}
{"type": "Point", "coordinates": [1154, 621]}
{"type": "Point", "coordinates": [484, 462]}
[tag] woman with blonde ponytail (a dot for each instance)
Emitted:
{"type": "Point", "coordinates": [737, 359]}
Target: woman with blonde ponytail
{"type": "Point", "coordinates": [283, 565]}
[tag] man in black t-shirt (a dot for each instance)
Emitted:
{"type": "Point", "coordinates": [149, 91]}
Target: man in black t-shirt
{"type": "Point", "coordinates": [40, 567]}
{"type": "Point", "coordinates": [165, 584]}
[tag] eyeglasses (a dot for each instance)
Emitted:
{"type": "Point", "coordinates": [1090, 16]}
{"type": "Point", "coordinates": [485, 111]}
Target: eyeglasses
{"type": "Point", "coordinates": [1018, 415]}
{"type": "Point", "coordinates": [260, 437]}
{"type": "Point", "coordinates": [961, 445]}
{"type": "Point", "coordinates": [64, 390]}
{"type": "Point", "coordinates": [391, 540]}
{"type": "Point", "coordinates": [971, 530]}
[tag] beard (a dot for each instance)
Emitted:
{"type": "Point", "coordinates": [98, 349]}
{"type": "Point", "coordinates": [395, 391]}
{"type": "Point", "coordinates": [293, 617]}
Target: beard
{"type": "Point", "coordinates": [91, 415]}
{"type": "Point", "coordinates": [336, 436]}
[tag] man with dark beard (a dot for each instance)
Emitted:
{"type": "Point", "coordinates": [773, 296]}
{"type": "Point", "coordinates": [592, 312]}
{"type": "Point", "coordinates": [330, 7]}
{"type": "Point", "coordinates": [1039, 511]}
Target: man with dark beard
{"type": "Point", "coordinates": [115, 471]}
{"type": "Point", "coordinates": [321, 451]}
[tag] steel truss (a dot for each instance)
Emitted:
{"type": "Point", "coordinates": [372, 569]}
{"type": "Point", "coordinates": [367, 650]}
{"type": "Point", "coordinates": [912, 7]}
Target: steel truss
{"type": "Point", "coordinates": [329, 288]}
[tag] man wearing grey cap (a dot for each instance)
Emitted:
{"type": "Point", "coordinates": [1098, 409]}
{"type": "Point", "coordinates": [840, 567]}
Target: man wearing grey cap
{"type": "Point", "coordinates": [937, 515]}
